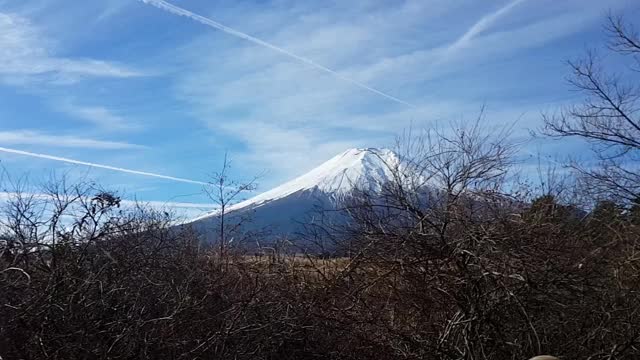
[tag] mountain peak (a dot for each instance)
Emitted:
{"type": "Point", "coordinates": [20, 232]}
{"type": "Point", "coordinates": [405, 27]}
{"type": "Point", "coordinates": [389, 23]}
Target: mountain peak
{"type": "Point", "coordinates": [361, 152]}
{"type": "Point", "coordinates": [361, 167]}
{"type": "Point", "coordinates": [357, 166]}
{"type": "Point", "coordinates": [365, 150]}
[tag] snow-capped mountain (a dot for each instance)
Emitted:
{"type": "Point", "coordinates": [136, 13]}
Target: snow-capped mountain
{"type": "Point", "coordinates": [284, 207]}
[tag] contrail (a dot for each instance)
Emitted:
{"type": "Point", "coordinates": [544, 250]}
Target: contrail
{"type": "Point", "coordinates": [161, 4]}
{"type": "Point", "coordinates": [484, 23]}
{"type": "Point", "coordinates": [77, 162]}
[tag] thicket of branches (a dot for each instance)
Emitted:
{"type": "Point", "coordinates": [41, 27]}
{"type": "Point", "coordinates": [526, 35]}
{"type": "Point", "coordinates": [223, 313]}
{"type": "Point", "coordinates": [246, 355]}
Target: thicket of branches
{"type": "Point", "coordinates": [450, 260]}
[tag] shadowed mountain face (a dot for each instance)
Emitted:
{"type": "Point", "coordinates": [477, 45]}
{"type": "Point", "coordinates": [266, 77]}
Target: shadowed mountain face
{"type": "Point", "coordinates": [282, 211]}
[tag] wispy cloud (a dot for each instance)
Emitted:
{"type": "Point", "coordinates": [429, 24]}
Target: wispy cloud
{"type": "Point", "coordinates": [9, 195]}
{"type": "Point", "coordinates": [482, 25]}
{"type": "Point", "coordinates": [216, 25]}
{"type": "Point", "coordinates": [180, 211]}
{"type": "Point", "coordinates": [99, 116]}
{"type": "Point", "coordinates": [31, 137]}
{"type": "Point", "coordinates": [288, 147]}
{"type": "Point", "coordinates": [482, 43]}
{"type": "Point", "coordinates": [27, 55]}
{"type": "Point", "coordinates": [99, 166]}
{"type": "Point", "coordinates": [112, 8]}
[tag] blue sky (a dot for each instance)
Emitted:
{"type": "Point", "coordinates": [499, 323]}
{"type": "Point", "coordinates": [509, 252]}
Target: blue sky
{"type": "Point", "coordinates": [126, 84]}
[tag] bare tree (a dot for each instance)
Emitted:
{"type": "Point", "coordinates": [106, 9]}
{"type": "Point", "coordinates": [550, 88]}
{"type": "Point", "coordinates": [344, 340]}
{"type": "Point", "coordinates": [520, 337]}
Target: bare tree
{"type": "Point", "coordinates": [608, 116]}
{"type": "Point", "coordinates": [224, 192]}
{"type": "Point", "coordinates": [439, 177]}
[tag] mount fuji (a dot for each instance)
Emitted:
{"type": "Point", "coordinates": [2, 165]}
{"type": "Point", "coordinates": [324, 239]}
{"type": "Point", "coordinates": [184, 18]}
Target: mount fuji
{"type": "Point", "coordinates": [283, 210]}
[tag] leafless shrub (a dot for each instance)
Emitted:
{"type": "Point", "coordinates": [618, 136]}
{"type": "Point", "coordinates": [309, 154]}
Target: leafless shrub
{"type": "Point", "coordinates": [444, 264]}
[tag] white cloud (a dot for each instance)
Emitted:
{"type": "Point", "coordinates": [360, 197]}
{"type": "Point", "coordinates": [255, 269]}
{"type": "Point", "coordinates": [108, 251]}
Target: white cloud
{"type": "Point", "coordinates": [301, 59]}
{"type": "Point", "coordinates": [98, 116]}
{"type": "Point", "coordinates": [27, 55]}
{"type": "Point", "coordinates": [7, 195]}
{"type": "Point", "coordinates": [475, 47]}
{"type": "Point", "coordinates": [180, 210]}
{"type": "Point", "coordinates": [482, 25]}
{"type": "Point", "coordinates": [112, 8]}
{"type": "Point", "coordinates": [31, 137]}
{"type": "Point", "coordinates": [285, 150]}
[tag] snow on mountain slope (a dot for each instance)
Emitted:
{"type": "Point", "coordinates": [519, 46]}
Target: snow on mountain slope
{"type": "Point", "coordinates": [366, 168]}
